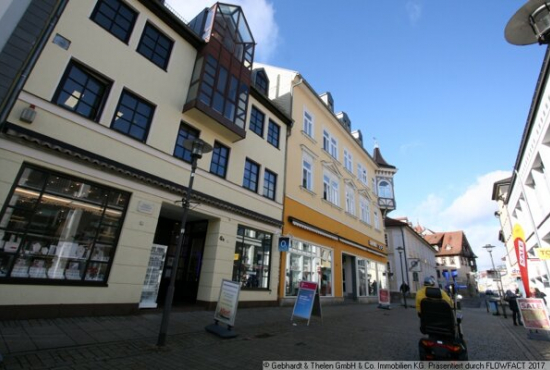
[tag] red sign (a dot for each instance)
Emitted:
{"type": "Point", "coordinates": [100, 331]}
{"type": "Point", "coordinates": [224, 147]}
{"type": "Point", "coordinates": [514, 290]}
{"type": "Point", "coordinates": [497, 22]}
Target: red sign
{"type": "Point", "coordinates": [383, 296]}
{"type": "Point", "coordinates": [308, 285]}
{"type": "Point", "coordinates": [521, 254]}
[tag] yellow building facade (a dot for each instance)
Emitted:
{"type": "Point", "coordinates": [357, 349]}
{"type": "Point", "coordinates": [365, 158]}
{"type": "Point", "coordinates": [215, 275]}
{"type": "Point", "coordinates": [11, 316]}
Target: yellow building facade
{"type": "Point", "coordinates": [332, 211]}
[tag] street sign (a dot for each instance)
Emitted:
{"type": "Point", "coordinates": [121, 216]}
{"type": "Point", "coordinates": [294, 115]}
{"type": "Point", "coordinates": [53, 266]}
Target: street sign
{"type": "Point", "coordinates": [284, 244]}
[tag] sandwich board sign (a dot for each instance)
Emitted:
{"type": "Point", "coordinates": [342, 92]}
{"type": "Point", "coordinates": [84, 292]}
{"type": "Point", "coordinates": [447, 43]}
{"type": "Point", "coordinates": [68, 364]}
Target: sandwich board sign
{"type": "Point", "coordinates": [226, 309]}
{"type": "Point", "coordinates": [307, 301]}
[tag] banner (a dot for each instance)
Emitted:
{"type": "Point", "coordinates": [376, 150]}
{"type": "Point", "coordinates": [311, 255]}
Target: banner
{"type": "Point", "coordinates": [521, 254]}
{"type": "Point", "coordinates": [543, 253]}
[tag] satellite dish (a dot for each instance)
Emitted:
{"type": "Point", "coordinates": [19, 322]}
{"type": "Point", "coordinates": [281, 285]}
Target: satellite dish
{"type": "Point", "coordinates": [530, 24]}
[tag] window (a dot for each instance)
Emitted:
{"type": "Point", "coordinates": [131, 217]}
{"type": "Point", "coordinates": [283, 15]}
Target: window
{"type": "Point", "coordinates": [384, 189]}
{"type": "Point", "coordinates": [308, 124]}
{"type": "Point", "coordinates": [257, 121]}
{"type": "Point", "coordinates": [220, 160]}
{"type": "Point", "coordinates": [330, 188]}
{"type": "Point", "coordinates": [262, 82]}
{"type": "Point", "coordinates": [362, 174]}
{"type": "Point", "coordinates": [252, 258]}
{"type": "Point", "coordinates": [365, 210]}
{"type": "Point", "coordinates": [57, 228]}
{"type": "Point", "coordinates": [185, 132]}
{"type": "Point", "coordinates": [116, 17]}
{"type": "Point", "coordinates": [307, 171]}
{"type": "Point", "coordinates": [273, 133]}
{"type": "Point", "coordinates": [133, 116]}
{"type": "Point", "coordinates": [350, 200]}
{"type": "Point", "coordinates": [376, 220]}
{"type": "Point", "coordinates": [330, 144]}
{"type": "Point", "coordinates": [82, 91]}
{"type": "Point", "coordinates": [270, 184]}
{"type": "Point", "coordinates": [348, 161]}
{"type": "Point", "coordinates": [310, 263]}
{"type": "Point", "coordinates": [251, 173]}
{"type": "Point", "coordinates": [155, 46]}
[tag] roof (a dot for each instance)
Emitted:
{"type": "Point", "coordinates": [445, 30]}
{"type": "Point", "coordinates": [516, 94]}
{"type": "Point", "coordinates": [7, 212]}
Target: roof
{"type": "Point", "coordinates": [377, 156]}
{"type": "Point", "coordinates": [451, 243]}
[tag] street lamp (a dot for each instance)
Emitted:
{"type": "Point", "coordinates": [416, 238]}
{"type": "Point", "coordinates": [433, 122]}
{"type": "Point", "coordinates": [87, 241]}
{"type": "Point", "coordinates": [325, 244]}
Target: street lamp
{"type": "Point", "coordinates": [530, 24]}
{"type": "Point", "coordinates": [197, 147]}
{"type": "Point", "coordinates": [489, 248]}
{"type": "Point", "coordinates": [400, 250]}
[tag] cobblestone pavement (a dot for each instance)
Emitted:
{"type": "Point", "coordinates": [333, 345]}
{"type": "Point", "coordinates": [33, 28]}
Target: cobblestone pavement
{"type": "Point", "coordinates": [349, 332]}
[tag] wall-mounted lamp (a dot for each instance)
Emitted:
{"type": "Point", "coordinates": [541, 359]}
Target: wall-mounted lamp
{"type": "Point", "coordinates": [28, 114]}
{"type": "Point", "coordinates": [497, 214]}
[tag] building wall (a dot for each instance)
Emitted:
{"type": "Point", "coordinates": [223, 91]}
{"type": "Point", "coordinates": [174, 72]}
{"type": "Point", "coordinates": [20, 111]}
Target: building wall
{"type": "Point", "coordinates": [97, 49]}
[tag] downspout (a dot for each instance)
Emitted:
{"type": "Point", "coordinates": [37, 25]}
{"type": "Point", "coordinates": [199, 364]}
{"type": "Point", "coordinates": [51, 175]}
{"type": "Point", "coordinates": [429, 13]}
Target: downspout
{"type": "Point", "coordinates": [405, 255]}
{"type": "Point", "coordinates": [29, 63]}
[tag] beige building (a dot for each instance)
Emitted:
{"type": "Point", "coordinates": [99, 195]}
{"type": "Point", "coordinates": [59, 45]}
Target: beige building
{"type": "Point", "coordinates": [336, 195]}
{"type": "Point", "coordinates": [94, 168]}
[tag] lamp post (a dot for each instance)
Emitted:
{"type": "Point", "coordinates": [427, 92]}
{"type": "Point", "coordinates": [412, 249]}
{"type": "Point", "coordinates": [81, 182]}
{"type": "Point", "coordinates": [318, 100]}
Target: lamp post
{"type": "Point", "coordinates": [400, 250]}
{"type": "Point", "coordinates": [197, 147]}
{"type": "Point", "coordinates": [489, 248]}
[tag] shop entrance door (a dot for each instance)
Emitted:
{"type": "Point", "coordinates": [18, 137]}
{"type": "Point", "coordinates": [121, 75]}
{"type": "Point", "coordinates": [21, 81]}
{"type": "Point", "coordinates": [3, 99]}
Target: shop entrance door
{"type": "Point", "coordinates": [190, 262]}
{"type": "Point", "coordinates": [349, 277]}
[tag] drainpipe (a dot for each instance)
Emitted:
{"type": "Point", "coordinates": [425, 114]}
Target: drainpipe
{"type": "Point", "coordinates": [405, 255]}
{"type": "Point", "coordinates": [29, 63]}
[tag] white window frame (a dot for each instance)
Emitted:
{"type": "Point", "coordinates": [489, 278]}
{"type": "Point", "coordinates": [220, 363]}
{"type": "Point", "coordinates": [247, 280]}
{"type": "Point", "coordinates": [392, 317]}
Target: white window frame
{"type": "Point", "coordinates": [350, 200]}
{"type": "Point", "coordinates": [365, 210]}
{"type": "Point", "coordinates": [385, 191]}
{"type": "Point", "coordinates": [306, 158]}
{"type": "Point", "coordinates": [376, 220]}
{"type": "Point", "coordinates": [362, 174]}
{"type": "Point", "coordinates": [348, 160]}
{"type": "Point", "coordinates": [309, 123]}
{"type": "Point", "coordinates": [333, 147]}
{"type": "Point", "coordinates": [331, 187]}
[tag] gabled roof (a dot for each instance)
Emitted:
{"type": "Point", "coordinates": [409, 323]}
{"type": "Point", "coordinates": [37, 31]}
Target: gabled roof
{"type": "Point", "coordinates": [451, 243]}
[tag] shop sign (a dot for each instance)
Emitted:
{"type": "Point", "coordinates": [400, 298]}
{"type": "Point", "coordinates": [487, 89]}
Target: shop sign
{"type": "Point", "coordinates": [384, 297]}
{"type": "Point", "coordinates": [307, 301]}
{"type": "Point", "coordinates": [533, 313]}
{"type": "Point", "coordinates": [284, 244]}
{"type": "Point", "coordinates": [543, 253]}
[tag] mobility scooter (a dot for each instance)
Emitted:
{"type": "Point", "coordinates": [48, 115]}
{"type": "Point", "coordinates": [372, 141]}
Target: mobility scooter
{"type": "Point", "coordinates": [441, 323]}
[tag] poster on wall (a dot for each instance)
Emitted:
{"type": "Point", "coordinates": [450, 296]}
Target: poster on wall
{"type": "Point", "coordinates": [307, 301]}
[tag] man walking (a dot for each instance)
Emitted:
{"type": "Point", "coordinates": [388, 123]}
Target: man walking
{"type": "Point", "coordinates": [404, 288]}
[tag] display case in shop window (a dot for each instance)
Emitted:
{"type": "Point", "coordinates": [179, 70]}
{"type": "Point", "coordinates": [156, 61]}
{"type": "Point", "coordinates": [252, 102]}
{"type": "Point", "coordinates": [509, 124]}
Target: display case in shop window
{"type": "Point", "coordinates": [300, 270]}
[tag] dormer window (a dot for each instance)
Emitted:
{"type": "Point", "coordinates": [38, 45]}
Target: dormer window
{"type": "Point", "coordinates": [385, 189]}
{"type": "Point", "coordinates": [261, 82]}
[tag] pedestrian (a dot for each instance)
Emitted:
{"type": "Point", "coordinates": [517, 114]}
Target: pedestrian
{"type": "Point", "coordinates": [511, 298]}
{"type": "Point", "coordinates": [404, 288]}
{"type": "Point", "coordinates": [541, 295]}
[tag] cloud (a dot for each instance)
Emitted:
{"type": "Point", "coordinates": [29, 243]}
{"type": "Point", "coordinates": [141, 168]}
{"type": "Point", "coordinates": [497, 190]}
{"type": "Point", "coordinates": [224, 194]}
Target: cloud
{"type": "Point", "coordinates": [472, 212]}
{"type": "Point", "coordinates": [414, 11]}
{"type": "Point", "coordinates": [259, 14]}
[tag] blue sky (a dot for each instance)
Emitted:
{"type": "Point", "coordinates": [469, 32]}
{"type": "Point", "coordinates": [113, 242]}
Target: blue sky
{"type": "Point", "coordinates": [434, 81]}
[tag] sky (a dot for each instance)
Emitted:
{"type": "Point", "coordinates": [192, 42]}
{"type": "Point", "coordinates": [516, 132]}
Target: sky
{"type": "Point", "coordinates": [433, 82]}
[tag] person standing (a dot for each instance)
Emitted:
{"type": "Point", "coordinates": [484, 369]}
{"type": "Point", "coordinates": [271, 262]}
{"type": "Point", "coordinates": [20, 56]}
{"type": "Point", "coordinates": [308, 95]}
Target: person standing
{"type": "Point", "coordinates": [511, 298]}
{"type": "Point", "coordinates": [404, 288]}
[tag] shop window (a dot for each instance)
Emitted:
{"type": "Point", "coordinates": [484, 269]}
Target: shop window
{"type": "Point", "coordinates": [251, 266]}
{"type": "Point", "coordinates": [133, 116]}
{"type": "Point", "coordinates": [59, 229]}
{"type": "Point", "coordinates": [155, 46]}
{"type": "Point", "coordinates": [116, 17]}
{"type": "Point", "coordinates": [82, 91]}
{"type": "Point", "coordinates": [308, 262]}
